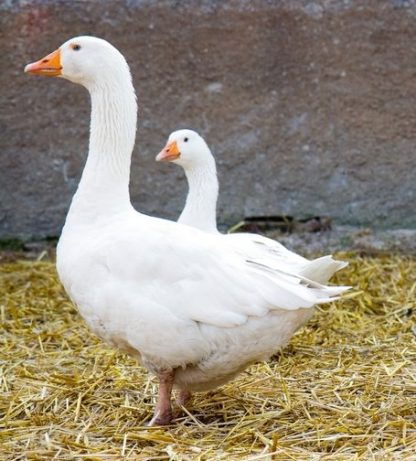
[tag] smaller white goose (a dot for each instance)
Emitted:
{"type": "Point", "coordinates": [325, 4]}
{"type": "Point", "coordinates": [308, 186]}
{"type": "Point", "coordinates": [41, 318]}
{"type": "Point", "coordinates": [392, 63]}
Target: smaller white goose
{"type": "Point", "coordinates": [189, 150]}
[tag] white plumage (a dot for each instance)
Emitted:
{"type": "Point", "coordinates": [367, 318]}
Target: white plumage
{"type": "Point", "coordinates": [188, 305]}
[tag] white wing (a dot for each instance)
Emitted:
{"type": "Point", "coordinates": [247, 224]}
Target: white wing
{"type": "Point", "coordinates": [199, 276]}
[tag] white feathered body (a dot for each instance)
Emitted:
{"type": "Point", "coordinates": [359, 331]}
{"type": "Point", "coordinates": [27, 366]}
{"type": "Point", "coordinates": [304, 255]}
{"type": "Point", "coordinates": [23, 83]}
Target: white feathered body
{"type": "Point", "coordinates": [176, 298]}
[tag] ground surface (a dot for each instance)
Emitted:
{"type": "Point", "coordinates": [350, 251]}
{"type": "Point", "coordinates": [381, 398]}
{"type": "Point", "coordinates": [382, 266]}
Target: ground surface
{"type": "Point", "coordinates": [344, 388]}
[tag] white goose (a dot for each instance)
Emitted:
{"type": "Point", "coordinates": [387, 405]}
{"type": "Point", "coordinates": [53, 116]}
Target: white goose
{"type": "Point", "coordinates": [189, 150]}
{"type": "Point", "coordinates": [193, 310]}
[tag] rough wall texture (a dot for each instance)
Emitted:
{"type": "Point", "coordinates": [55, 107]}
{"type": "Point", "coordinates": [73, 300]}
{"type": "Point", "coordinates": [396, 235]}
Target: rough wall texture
{"type": "Point", "coordinates": [309, 107]}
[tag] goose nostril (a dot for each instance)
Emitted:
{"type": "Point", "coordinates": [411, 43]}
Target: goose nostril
{"type": "Point", "coordinates": [45, 61]}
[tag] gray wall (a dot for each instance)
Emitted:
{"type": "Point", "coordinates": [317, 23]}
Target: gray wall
{"type": "Point", "coordinates": [309, 107]}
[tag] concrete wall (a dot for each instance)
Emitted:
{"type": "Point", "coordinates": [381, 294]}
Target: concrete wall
{"type": "Point", "coordinates": [309, 106]}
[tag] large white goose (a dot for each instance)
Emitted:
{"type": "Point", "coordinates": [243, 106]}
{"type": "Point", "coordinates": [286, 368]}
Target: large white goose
{"type": "Point", "coordinates": [189, 150]}
{"type": "Point", "coordinates": [190, 308]}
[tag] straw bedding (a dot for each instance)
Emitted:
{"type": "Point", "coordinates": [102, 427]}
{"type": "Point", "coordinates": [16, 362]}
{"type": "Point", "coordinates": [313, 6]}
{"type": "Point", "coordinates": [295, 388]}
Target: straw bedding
{"type": "Point", "coordinates": [343, 389]}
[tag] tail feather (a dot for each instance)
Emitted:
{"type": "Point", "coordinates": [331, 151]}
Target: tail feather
{"type": "Point", "coordinates": [320, 293]}
{"type": "Point", "coordinates": [322, 269]}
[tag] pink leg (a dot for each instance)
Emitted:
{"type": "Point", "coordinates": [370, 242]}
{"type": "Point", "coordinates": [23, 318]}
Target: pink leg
{"type": "Point", "coordinates": [184, 397]}
{"type": "Point", "coordinates": [163, 410]}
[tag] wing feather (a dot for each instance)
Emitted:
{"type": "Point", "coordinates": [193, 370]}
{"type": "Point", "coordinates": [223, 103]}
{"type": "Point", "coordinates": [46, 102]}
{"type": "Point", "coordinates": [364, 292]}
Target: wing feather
{"type": "Point", "coordinates": [201, 277]}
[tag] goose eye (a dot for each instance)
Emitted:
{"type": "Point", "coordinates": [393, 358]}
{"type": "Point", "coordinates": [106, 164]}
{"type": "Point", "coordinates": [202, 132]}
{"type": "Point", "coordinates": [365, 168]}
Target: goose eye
{"type": "Point", "coordinates": [76, 47]}
{"type": "Point", "coordinates": [185, 139]}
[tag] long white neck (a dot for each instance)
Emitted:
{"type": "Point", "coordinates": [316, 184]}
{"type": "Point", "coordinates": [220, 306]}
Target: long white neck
{"type": "Point", "coordinates": [201, 203]}
{"type": "Point", "coordinates": [104, 186]}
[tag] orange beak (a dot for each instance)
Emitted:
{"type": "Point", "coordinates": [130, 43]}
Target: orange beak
{"type": "Point", "coordinates": [49, 65]}
{"type": "Point", "coordinates": [168, 153]}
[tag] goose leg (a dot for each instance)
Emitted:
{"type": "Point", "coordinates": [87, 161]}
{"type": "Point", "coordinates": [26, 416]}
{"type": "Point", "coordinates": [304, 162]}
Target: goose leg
{"type": "Point", "coordinates": [163, 410]}
{"type": "Point", "coordinates": [184, 397]}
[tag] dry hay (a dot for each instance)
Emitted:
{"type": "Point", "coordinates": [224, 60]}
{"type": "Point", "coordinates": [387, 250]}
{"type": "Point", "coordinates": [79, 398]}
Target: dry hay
{"type": "Point", "coordinates": [344, 388]}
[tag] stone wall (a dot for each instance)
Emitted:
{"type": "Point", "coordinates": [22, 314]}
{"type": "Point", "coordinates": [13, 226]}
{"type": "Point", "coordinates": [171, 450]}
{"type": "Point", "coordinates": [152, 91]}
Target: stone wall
{"type": "Point", "coordinates": [309, 107]}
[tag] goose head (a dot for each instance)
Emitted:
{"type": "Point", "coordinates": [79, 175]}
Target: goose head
{"type": "Point", "coordinates": [84, 60]}
{"type": "Point", "coordinates": [185, 148]}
